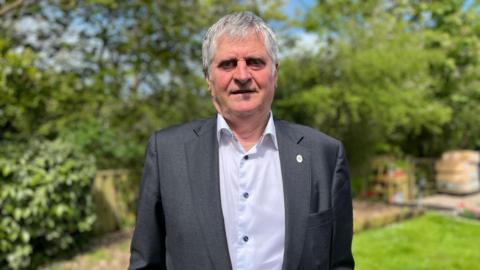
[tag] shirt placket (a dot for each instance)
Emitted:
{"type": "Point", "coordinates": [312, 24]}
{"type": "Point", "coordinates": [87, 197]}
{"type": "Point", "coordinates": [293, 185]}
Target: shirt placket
{"type": "Point", "coordinates": [244, 211]}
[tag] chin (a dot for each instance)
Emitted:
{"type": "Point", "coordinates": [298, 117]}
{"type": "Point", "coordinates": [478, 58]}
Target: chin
{"type": "Point", "coordinates": [246, 111]}
{"type": "Point", "coordinates": [245, 106]}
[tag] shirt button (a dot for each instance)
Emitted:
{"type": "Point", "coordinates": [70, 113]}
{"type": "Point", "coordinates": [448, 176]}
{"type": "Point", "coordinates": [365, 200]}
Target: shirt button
{"type": "Point", "coordinates": [245, 195]}
{"type": "Point", "coordinates": [245, 238]}
{"type": "Point", "coordinates": [245, 157]}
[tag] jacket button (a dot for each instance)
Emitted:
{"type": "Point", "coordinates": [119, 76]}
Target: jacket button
{"type": "Point", "coordinates": [245, 238]}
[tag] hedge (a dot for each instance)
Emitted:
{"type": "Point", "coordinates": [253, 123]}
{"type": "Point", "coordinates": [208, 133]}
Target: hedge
{"type": "Point", "coordinates": [45, 201]}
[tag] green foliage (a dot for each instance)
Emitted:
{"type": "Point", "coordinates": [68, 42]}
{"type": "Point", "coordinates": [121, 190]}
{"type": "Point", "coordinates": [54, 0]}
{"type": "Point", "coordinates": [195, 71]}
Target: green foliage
{"type": "Point", "coordinates": [369, 93]}
{"type": "Point", "coordinates": [45, 201]}
{"type": "Point", "coordinates": [49, 104]}
{"type": "Point", "coordinates": [24, 93]}
{"type": "Point", "coordinates": [133, 67]}
{"type": "Point", "coordinates": [429, 242]}
{"type": "Point", "coordinates": [456, 33]}
{"type": "Point", "coordinates": [397, 78]}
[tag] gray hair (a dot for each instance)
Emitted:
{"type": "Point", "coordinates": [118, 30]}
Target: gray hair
{"type": "Point", "coordinates": [238, 25]}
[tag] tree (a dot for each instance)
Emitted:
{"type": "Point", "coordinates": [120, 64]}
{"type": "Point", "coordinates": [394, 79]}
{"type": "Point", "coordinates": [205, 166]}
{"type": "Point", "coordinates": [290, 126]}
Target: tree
{"type": "Point", "coordinates": [387, 77]}
{"type": "Point", "coordinates": [453, 27]}
{"type": "Point", "coordinates": [134, 67]}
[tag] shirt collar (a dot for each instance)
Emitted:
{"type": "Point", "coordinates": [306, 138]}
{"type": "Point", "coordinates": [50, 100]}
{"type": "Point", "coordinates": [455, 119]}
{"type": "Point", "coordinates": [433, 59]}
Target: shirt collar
{"type": "Point", "coordinates": [224, 129]}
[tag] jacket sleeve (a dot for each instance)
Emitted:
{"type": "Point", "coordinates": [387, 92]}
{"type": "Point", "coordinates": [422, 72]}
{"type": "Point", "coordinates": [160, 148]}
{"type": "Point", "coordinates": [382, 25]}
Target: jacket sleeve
{"type": "Point", "coordinates": [341, 257]}
{"type": "Point", "coordinates": [147, 250]}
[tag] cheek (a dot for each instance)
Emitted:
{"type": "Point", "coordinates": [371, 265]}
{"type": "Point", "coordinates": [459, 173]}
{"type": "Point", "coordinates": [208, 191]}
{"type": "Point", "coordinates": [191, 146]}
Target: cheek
{"type": "Point", "coordinates": [221, 85]}
{"type": "Point", "coordinates": [218, 82]}
{"type": "Point", "coordinates": [266, 78]}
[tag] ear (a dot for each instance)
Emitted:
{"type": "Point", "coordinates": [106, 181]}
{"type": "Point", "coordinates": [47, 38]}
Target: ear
{"type": "Point", "coordinates": [209, 84]}
{"type": "Point", "coordinates": [276, 74]}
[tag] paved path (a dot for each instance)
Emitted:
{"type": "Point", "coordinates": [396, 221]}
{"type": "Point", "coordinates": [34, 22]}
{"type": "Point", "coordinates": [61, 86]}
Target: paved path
{"type": "Point", "coordinates": [369, 214]}
{"type": "Point", "coordinates": [451, 202]}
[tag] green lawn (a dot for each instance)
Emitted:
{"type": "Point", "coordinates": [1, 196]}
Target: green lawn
{"type": "Point", "coordinates": [431, 241]}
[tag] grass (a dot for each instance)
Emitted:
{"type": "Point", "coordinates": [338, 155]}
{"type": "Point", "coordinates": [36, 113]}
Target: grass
{"type": "Point", "coordinates": [432, 241]}
{"type": "Point", "coordinates": [98, 255]}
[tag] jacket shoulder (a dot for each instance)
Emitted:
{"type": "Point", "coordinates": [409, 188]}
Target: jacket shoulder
{"type": "Point", "coordinates": [182, 132]}
{"type": "Point", "coordinates": [308, 134]}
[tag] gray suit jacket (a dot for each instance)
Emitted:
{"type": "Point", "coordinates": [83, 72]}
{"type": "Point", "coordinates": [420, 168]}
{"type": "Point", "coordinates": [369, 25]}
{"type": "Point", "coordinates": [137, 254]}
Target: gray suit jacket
{"type": "Point", "coordinates": [179, 218]}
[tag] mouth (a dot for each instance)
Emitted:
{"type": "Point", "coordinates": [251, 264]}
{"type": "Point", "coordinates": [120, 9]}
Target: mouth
{"type": "Point", "coordinates": [242, 91]}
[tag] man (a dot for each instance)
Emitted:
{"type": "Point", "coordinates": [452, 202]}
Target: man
{"type": "Point", "coordinates": [243, 191]}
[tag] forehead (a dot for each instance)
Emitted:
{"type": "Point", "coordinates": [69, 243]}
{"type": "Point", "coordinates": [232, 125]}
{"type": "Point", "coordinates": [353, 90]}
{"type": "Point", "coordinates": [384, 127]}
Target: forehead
{"type": "Point", "coordinates": [252, 44]}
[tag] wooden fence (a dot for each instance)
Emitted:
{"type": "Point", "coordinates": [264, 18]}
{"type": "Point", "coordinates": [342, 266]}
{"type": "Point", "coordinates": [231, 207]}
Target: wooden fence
{"type": "Point", "coordinates": [114, 197]}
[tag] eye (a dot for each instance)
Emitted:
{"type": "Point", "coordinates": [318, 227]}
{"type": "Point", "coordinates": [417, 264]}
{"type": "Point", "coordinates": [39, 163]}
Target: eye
{"type": "Point", "coordinates": [255, 63]}
{"type": "Point", "coordinates": [228, 64]}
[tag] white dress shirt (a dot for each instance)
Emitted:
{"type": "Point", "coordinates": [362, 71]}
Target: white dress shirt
{"type": "Point", "coordinates": [251, 190]}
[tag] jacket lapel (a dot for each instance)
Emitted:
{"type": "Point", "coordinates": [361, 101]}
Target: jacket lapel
{"type": "Point", "coordinates": [202, 163]}
{"type": "Point", "coordinates": [296, 173]}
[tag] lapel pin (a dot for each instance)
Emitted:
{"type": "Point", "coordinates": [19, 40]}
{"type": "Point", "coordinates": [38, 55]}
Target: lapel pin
{"type": "Point", "coordinates": [299, 158]}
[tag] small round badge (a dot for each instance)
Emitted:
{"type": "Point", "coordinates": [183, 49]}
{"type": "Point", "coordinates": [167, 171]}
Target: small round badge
{"type": "Point", "coordinates": [299, 158]}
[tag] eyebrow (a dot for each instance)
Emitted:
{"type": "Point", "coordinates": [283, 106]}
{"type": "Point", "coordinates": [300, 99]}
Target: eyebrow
{"type": "Point", "coordinates": [234, 59]}
{"type": "Point", "coordinates": [256, 59]}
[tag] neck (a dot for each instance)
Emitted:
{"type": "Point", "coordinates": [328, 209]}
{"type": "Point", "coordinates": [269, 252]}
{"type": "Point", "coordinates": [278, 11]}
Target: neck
{"type": "Point", "coordinates": [248, 129]}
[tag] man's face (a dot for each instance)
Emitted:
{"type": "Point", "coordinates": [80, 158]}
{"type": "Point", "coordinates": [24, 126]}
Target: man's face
{"type": "Point", "coordinates": [241, 79]}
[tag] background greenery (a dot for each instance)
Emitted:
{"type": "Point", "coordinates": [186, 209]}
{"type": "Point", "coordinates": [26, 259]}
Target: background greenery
{"type": "Point", "coordinates": [105, 74]}
{"type": "Point", "coordinates": [386, 77]}
{"type": "Point", "coordinates": [45, 201]}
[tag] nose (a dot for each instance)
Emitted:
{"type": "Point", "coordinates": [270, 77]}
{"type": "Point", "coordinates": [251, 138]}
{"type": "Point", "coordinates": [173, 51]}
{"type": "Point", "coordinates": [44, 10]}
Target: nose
{"type": "Point", "coordinates": [242, 74]}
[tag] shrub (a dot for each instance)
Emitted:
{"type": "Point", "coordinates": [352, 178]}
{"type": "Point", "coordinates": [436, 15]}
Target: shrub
{"type": "Point", "coordinates": [45, 201]}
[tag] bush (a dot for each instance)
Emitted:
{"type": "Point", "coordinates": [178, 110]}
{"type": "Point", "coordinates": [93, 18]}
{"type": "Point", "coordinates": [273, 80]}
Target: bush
{"type": "Point", "coordinates": [45, 201]}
